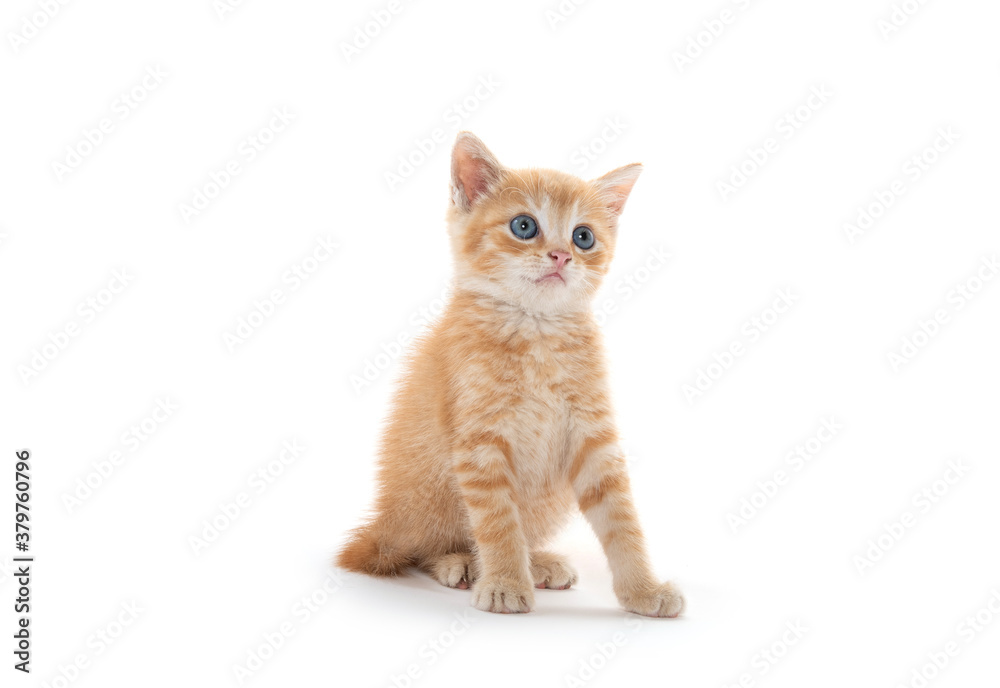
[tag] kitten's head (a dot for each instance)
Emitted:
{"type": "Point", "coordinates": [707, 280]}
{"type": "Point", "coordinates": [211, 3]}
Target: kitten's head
{"type": "Point", "coordinates": [541, 240]}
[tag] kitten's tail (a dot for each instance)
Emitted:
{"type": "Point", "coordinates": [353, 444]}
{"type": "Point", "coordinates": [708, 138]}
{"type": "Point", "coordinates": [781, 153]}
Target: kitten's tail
{"type": "Point", "coordinates": [369, 551]}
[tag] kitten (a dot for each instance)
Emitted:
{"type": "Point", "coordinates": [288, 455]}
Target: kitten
{"type": "Point", "coordinates": [503, 422]}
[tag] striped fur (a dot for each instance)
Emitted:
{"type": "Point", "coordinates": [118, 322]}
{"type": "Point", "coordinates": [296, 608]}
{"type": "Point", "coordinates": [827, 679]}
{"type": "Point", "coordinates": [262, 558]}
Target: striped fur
{"type": "Point", "coordinates": [503, 423]}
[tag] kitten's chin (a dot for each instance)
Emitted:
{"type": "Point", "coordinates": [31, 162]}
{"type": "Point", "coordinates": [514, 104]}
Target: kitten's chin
{"type": "Point", "coordinates": [545, 296]}
{"type": "Point", "coordinates": [552, 278]}
{"type": "Point", "coordinates": [553, 295]}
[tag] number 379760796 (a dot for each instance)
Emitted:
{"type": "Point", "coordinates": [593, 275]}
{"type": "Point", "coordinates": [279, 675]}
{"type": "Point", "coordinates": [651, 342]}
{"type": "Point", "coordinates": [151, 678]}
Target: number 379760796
{"type": "Point", "coordinates": [22, 495]}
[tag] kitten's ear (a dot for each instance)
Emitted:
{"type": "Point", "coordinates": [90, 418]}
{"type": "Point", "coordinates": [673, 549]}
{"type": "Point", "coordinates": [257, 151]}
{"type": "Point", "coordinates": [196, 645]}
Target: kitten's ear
{"type": "Point", "coordinates": [616, 185]}
{"type": "Point", "coordinates": [474, 170]}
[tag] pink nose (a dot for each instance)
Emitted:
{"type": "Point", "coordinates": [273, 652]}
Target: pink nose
{"type": "Point", "coordinates": [560, 257]}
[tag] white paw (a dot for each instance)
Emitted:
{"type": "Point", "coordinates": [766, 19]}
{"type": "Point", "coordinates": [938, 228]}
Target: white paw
{"type": "Point", "coordinates": [502, 596]}
{"type": "Point", "coordinates": [662, 601]}
{"type": "Point", "coordinates": [551, 571]}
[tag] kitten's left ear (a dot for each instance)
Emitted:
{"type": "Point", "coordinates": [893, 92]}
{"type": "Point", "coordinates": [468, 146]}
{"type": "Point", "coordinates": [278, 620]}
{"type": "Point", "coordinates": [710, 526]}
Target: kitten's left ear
{"type": "Point", "coordinates": [474, 170]}
{"type": "Point", "coordinates": [616, 185]}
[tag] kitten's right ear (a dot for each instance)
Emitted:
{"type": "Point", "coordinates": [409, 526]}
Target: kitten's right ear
{"type": "Point", "coordinates": [474, 170]}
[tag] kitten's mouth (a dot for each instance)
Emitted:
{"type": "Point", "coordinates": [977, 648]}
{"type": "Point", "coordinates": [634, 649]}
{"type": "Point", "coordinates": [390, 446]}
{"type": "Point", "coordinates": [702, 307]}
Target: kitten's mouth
{"type": "Point", "coordinates": [551, 277]}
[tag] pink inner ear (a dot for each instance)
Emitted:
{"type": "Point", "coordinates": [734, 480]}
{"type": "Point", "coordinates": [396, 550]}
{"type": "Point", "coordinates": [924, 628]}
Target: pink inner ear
{"type": "Point", "coordinates": [473, 168]}
{"type": "Point", "coordinates": [470, 172]}
{"type": "Point", "coordinates": [619, 195]}
{"type": "Point", "coordinates": [617, 185]}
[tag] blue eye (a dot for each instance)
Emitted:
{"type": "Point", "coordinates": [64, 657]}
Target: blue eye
{"type": "Point", "coordinates": [583, 237]}
{"type": "Point", "coordinates": [524, 226]}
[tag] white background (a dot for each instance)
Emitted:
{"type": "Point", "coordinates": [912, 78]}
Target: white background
{"type": "Point", "coordinates": [795, 561]}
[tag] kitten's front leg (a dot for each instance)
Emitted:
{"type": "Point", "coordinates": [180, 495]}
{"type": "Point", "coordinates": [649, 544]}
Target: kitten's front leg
{"type": "Point", "coordinates": [601, 483]}
{"type": "Point", "coordinates": [484, 478]}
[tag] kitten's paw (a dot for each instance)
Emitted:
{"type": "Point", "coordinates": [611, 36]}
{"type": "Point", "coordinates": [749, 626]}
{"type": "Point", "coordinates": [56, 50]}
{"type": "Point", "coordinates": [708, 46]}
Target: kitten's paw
{"type": "Point", "coordinates": [502, 596]}
{"type": "Point", "coordinates": [551, 571]}
{"type": "Point", "coordinates": [456, 570]}
{"type": "Point", "coordinates": [663, 600]}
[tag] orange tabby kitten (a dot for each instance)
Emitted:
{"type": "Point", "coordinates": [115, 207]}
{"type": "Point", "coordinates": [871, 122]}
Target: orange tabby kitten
{"type": "Point", "coordinates": [503, 422]}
